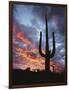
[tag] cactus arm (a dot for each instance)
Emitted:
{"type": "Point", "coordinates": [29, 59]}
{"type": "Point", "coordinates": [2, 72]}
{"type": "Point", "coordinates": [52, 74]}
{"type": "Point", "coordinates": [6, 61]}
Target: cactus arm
{"type": "Point", "coordinates": [53, 51]}
{"type": "Point", "coordinates": [40, 51]}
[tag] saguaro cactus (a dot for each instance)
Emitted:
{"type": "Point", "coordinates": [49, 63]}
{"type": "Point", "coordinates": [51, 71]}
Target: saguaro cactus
{"type": "Point", "coordinates": [48, 53]}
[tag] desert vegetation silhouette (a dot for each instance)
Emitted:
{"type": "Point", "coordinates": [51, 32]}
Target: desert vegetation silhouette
{"type": "Point", "coordinates": [48, 53]}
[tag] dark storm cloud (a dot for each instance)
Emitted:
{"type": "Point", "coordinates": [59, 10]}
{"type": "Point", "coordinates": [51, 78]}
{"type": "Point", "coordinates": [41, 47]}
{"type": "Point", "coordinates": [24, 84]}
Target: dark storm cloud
{"type": "Point", "coordinates": [40, 12]}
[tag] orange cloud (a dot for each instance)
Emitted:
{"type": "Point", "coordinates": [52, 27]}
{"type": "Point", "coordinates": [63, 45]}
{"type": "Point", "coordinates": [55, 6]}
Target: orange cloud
{"type": "Point", "coordinates": [22, 37]}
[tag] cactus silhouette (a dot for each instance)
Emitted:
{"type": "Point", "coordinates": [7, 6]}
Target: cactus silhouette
{"type": "Point", "coordinates": [48, 53]}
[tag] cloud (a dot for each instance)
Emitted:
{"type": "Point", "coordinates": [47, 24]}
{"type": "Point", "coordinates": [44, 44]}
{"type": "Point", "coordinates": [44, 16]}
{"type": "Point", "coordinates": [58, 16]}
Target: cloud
{"type": "Point", "coordinates": [31, 20]}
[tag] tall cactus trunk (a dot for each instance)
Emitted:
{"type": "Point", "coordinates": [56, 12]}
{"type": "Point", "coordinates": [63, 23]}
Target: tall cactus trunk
{"type": "Point", "coordinates": [48, 54]}
{"type": "Point", "coordinates": [47, 63]}
{"type": "Point", "coordinates": [47, 59]}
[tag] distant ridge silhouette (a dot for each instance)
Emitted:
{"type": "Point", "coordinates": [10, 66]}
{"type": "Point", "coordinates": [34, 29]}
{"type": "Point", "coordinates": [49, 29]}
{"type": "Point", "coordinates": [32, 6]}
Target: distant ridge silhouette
{"type": "Point", "coordinates": [24, 77]}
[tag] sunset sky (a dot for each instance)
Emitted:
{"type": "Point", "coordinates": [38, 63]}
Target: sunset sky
{"type": "Point", "coordinates": [28, 21]}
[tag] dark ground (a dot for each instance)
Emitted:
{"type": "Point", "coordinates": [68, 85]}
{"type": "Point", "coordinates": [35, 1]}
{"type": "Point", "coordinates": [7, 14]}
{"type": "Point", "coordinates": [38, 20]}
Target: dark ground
{"type": "Point", "coordinates": [26, 77]}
